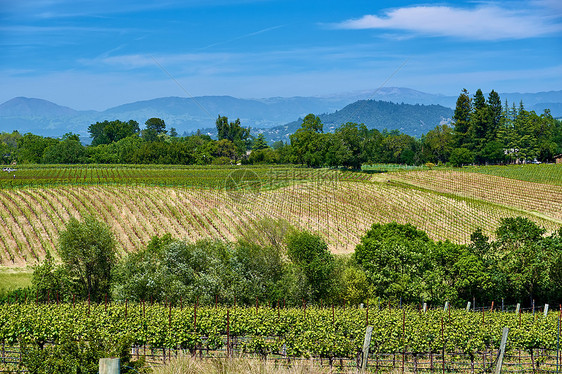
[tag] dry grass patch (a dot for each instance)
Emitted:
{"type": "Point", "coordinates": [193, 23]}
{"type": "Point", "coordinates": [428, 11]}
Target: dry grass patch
{"type": "Point", "coordinates": [190, 365]}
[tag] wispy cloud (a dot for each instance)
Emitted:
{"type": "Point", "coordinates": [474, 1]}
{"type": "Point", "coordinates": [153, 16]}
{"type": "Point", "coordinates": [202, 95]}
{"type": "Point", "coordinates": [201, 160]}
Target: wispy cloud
{"type": "Point", "coordinates": [486, 22]}
{"type": "Point", "coordinates": [241, 37]}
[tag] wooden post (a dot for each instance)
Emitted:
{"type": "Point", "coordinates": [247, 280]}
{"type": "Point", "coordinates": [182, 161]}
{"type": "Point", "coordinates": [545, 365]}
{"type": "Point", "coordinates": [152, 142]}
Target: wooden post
{"type": "Point", "coordinates": [109, 366]}
{"type": "Point", "coordinates": [517, 308]}
{"type": "Point", "coordinates": [502, 351]}
{"type": "Point", "coordinates": [366, 344]}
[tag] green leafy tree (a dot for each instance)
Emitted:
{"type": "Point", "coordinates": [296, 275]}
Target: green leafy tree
{"type": "Point", "coordinates": [394, 258]}
{"type": "Point", "coordinates": [31, 148]}
{"type": "Point", "coordinates": [437, 144]}
{"type": "Point", "coordinates": [107, 132]}
{"type": "Point", "coordinates": [156, 124]}
{"type": "Point", "coordinates": [528, 258]}
{"type": "Point", "coordinates": [234, 132]}
{"type": "Point", "coordinates": [87, 250]}
{"type": "Point", "coordinates": [310, 253]}
{"type": "Point", "coordinates": [353, 138]}
{"type": "Point", "coordinates": [461, 156]}
{"type": "Point", "coordinates": [400, 149]}
{"type": "Point", "coordinates": [307, 143]}
{"type": "Point", "coordinates": [9, 147]}
{"type": "Point", "coordinates": [67, 151]}
{"type": "Point", "coordinates": [50, 280]}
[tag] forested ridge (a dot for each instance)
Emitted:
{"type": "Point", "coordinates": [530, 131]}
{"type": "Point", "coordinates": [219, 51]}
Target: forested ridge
{"type": "Point", "coordinates": [483, 131]}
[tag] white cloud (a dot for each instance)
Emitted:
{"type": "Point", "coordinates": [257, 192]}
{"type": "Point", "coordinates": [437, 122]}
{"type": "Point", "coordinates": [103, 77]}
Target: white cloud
{"type": "Point", "coordinates": [481, 23]}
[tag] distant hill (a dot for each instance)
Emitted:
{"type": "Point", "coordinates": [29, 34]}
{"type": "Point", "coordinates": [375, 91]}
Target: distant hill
{"type": "Point", "coordinates": [555, 108]}
{"type": "Point", "coordinates": [26, 107]}
{"type": "Point", "coordinates": [268, 114]}
{"type": "Point", "coordinates": [410, 119]}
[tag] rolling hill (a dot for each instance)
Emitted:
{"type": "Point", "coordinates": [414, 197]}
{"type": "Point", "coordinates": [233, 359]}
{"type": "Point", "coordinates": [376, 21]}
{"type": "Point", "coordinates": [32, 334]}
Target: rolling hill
{"type": "Point", "coordinates": [447, 204]}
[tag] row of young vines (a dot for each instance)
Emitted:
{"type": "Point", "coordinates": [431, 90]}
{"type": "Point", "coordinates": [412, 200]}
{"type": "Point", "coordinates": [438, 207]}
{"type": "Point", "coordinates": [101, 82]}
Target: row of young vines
{"type": "Point", "coordinates": [300, 332]}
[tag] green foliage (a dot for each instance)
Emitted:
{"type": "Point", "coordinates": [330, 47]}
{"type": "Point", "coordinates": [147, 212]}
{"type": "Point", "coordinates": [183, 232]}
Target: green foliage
{"type": "Point", "coordinates": [68, 151]}
{"type": "Point", "coordinates": [394, 258]}
{"type": "Point", "coordinates": [9, 147]}
{"type": "Point", "coordinates": [310, 253]}
{"type": "Point", "coordinates": [84, 333]}
{"type": "Point", "coordinates": [308, 141]}
{"type": "Point", "coordinates": [108, 132]}
{"type": "Point", "coordinates": [461, 119]}
{"type": "Point", "coordinates": [156, 125]}
{"type": "Point", "coordinates": [461, 156]}
{"type": "Point", "coordinates": [260, 143]}
{"type": "Point", "coordinates": [529, 259]}
{"type": "Point", "coordinates": [437, 144]}
{"type": "Point", "coordinates": [521, 265]}
{"type": "Point", "coordinates": [50, 280]}
{"type": "Point", "coordinates": [31, 148]}
{"type": "Point", "coordinates": [70, 355]}
{"type": "Point", "coordinates": [87, 250]}
{"type": "Point", "coordinates": [172, 270]}
{"type": "Point", "coordinates": [233, 132]}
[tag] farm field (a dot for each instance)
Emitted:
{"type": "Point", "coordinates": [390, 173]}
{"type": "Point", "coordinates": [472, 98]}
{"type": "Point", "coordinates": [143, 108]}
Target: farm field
{"type": "Point", "coordinates": [540, 199]}
{"type": "Point", "coordinates": [227, 202]}
{"type": "Point", "coordinates": [545, 173]}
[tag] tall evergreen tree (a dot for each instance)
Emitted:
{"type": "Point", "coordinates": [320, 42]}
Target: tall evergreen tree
{"type": "Point", "coordinates": [478, 124]}
{"type": "Point", "coordinates": [461, 119]}
{"type": "Point", "coordinates": [495, 115]}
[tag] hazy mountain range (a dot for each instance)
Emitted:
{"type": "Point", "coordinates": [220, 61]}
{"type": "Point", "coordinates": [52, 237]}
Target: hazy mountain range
{"type": "Point", "coordinates": [278, 114]}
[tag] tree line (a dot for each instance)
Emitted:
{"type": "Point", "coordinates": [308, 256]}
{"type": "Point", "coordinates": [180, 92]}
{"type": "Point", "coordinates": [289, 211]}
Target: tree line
{"type": "Point", "coordinates": [275, 262]}
{"type": "Point", "coordinates": [482, 131]}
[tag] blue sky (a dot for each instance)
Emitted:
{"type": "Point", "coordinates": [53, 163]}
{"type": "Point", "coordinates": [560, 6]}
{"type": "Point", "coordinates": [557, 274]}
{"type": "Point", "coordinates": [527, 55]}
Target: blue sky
{"type": "Point", "coordinates": [101, 53]}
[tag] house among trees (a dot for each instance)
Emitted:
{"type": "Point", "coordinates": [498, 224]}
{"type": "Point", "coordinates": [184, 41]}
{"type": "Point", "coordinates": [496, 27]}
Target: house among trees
{"type": "Point", "coordinates": [558, 158]}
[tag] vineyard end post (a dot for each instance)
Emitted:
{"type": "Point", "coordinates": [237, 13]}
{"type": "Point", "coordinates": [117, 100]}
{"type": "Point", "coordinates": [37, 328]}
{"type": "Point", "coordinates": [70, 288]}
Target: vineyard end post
{"type": "Point", "coordinates": [366, 344]}
{"type": "Point", "coordinates": [109, 366]}
{"type": "Point", "coordinates": [502, 351]}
